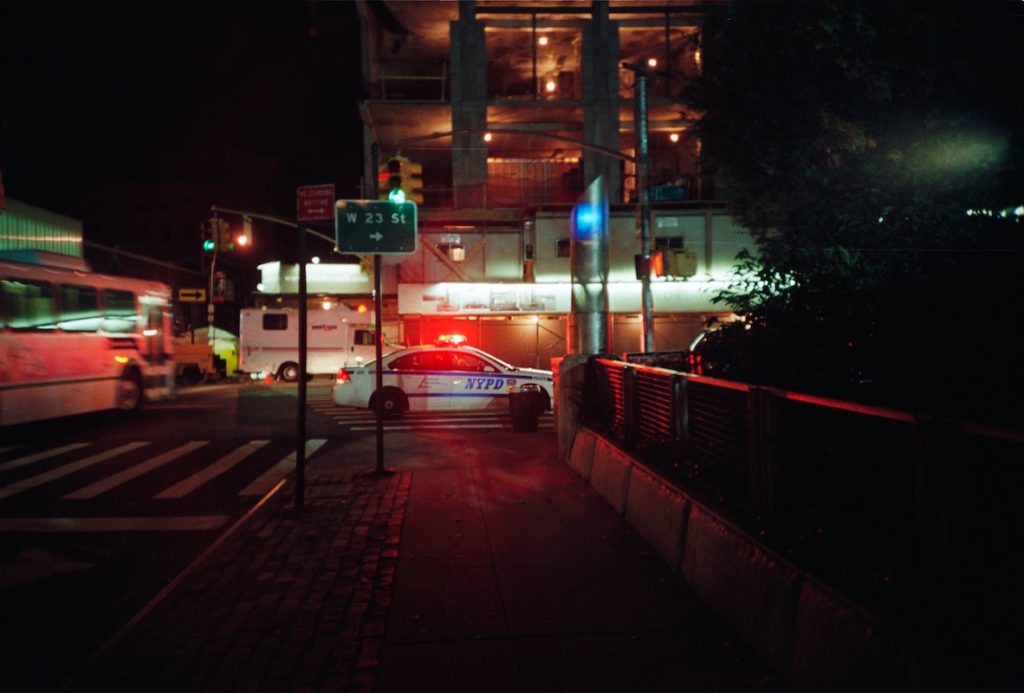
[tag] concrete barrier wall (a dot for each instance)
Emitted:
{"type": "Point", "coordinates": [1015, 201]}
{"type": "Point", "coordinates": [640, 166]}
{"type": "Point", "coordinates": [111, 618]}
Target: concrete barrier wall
{"type": "Point", "coordinates": [609, 473]}
{"type": "Point", "coordinates": [815, 638]}
{"type": "Point", "coordinates": [658, 514]}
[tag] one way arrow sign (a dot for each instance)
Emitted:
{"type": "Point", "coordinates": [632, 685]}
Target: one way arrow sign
{"type": "Point", "coordinates": [192, 295]}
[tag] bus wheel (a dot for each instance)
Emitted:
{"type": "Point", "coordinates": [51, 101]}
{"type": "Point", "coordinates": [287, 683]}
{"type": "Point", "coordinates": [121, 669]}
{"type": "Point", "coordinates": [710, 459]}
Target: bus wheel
{"type": "Point", "coordinates": [129, 393]}
{"type": "Point", "coordinates": [288, 372]}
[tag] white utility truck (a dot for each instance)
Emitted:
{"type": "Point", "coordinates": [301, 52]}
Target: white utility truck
{"type": "Point", "coordinates": [269, 342]}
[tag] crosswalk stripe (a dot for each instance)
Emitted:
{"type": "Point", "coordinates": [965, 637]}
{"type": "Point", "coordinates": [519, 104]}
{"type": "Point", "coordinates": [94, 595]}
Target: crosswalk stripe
{"type": "Point", "coordinates": [135, 471]}
{"type": "Point", "coordinates": [186, 486]}
{"type": "Point", "coordinates": [40, 479]}
{"type": "Point", "coordinates": [195, 523]}
{"type": "Point", "coordinates": [44, 455]}
{"type": "Point", "coordinates": [266, 481]}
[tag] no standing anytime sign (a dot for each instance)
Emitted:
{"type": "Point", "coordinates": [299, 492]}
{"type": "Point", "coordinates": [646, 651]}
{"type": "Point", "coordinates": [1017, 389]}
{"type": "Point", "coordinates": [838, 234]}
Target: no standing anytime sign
{"type": "Point", "coordinates": [315, 202]}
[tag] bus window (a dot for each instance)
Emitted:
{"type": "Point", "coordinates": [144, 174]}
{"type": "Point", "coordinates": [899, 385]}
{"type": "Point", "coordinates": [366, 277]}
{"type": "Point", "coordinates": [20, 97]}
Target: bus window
{"type": "Point", "coordinates": [29, 304]}
{"type": "Point", "coordinates": [119, 314]}
{"type": "Point", "coordinates": [79, 308]}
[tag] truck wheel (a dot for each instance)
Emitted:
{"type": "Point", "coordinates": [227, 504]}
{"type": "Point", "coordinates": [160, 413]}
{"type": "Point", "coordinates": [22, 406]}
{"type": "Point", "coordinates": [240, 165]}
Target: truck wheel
{"type": "Point", "coordinates": [289, 372]}
{"type": "Point", "coordinates": [191, 375]}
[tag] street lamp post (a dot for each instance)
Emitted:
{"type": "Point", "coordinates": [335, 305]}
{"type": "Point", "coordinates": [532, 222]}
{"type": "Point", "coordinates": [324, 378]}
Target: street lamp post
{"type": "Point", "coordinates": [643, 196]}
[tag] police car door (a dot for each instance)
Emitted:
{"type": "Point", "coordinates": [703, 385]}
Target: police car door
{"type": "Point", "coordinates": [425, 378]}
{"type": "Point", "coordinates": [477, 384]}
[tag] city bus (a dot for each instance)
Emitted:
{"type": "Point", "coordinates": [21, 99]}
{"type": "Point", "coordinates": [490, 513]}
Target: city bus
{"type": "Point", "coordinates": [73, 341]}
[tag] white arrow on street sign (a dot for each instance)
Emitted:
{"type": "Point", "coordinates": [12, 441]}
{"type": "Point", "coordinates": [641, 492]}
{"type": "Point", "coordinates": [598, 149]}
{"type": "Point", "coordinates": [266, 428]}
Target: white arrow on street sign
{"type": "Point", "coordinates": [377, 236]}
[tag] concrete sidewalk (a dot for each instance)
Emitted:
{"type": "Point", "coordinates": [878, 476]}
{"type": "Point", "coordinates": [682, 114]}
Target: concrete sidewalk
{"type": "Point", "coordinates": [458, 572]}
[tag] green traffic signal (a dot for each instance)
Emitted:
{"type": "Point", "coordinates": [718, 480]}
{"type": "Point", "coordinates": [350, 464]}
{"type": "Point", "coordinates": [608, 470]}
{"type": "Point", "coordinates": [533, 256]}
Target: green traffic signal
{"type": "Point", "coordinates": [397, 195]}
{"type": "Point", "coordinates": [208, 245]}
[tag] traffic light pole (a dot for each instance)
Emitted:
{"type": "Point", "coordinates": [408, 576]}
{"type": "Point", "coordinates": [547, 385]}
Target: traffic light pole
{"type": "Point", "coordinates": [300, 433]}
{"type": "Point", "coordinates": [378, 307]}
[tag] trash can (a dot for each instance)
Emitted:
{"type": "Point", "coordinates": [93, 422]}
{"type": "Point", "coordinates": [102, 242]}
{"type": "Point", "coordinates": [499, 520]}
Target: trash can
{"type": "Point", "coordinates": [524, 405]}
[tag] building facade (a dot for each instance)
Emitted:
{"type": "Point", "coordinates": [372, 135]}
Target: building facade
{"type": "Point", "coordinates": [512, 109]}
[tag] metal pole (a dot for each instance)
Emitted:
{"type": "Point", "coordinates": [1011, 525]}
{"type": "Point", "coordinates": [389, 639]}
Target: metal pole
{"type": "Point", "coordinates": [300, 436]}
{"type": "Point", "coordinates": [643, 194]}
{"type": "Point", "coordinates": [378, 307]}
{"type": "Point", "coordinates": [215, 235]}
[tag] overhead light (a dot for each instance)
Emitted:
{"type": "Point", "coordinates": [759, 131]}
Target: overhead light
{"type": "Point", "coordinates": [543, 40]}
{"type": "Point", "coordinates": [487, 137]}
{"type": "Point", "coordinates": [327, 305]}
{"type": "Point", "coordinates": [549, 85]}
{"type": "Point", "coordinates": [652, 62]}
{"type": "Point", "coordinates": [674, 137]}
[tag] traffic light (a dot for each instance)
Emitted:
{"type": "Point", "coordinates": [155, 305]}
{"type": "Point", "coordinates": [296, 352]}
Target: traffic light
{"type": "Point", "coordinates": [401, 180]}
{"type": "Point", "coordinates": [223, 234]}
{"type": "Point", "coordinates": [243, 238]}
{"type": "Point", "coordinates": [208, 243]}
{"type": "Point", "coordinates": [395, 191]}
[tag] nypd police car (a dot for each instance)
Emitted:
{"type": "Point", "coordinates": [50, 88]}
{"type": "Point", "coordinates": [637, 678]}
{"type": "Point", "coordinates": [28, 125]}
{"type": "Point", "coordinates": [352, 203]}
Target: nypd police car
{"type": "Point", "coordinates": [438, 378]}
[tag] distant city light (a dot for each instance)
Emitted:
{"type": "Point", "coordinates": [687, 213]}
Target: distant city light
{"type": "Point", "coordinates": [1006, 213]}
{"type": "Point", "coordinates": [652, 62]}
{"type": "Point", "coordinates": [315, 260]}
{"type": "Point", "coordinates": [549, 85]}
{"type": "Point", "coordinates": [327, 305]}
{"type": "Point", "coordinates": [674, 137]}
{"type": "Point", "coordinates": [543, 40]}
{"type": "Point", "coordinates": [488, 137]}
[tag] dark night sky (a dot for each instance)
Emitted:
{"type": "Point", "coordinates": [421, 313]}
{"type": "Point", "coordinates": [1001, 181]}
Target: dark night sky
{"type": "Point", "coordinates": [136, 117]}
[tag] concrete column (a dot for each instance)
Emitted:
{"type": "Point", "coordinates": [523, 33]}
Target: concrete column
{"type": "Point", "coordinates": [600, 98]}
{"type": "Point", "coordinates": [469, 107]}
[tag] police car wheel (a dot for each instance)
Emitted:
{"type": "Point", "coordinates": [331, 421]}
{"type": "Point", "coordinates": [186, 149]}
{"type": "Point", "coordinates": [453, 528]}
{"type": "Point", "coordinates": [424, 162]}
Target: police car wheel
{"type": "Point", "coordinates": [391, 402]}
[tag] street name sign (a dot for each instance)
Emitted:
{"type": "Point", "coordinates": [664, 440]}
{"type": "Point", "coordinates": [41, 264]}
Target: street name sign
{"type": "Point", "coordinates": [192, 295]}
{"type": "Point", "coordinates": [315, 202]}
{"type": "Point", "coordinates": [375, 227]}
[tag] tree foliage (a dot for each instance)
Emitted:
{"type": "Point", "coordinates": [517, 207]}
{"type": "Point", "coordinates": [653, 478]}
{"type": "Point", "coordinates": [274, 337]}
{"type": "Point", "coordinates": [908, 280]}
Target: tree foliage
{"type": "Point", "coordinates": [852, 139]}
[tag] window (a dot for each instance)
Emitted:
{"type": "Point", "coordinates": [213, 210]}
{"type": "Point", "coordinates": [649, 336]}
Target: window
{"type": "Point", "coordinates": [79, 309]}
{"type": "Point", "coordinates": [275, 321]}
{"type": "Point", "coordinates": [669, 242]}
{"type": "Point", "coordinates": [118, 311]}
{"type": "Point", "coordinates": [29, 304]}
{"type": "Point", "coordinates": [363, 338]}
{"type": "Point", "coordinates": [470, 362]}
{"type": "Point", "coordinates": [419, 361]}
{"type": "Point", "coordinates": [562, 247]}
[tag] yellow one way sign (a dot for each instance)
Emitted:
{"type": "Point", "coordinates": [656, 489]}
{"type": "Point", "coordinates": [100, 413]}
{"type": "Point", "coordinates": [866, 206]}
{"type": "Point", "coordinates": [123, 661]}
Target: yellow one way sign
{"type": "Point", "coordinates": [192, 295]}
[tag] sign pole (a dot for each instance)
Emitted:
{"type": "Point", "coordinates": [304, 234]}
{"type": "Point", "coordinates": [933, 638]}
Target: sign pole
{"type": "Point", "coordinates": [300, 437]}
{"type": "Point", "coordinates": [378, 307]}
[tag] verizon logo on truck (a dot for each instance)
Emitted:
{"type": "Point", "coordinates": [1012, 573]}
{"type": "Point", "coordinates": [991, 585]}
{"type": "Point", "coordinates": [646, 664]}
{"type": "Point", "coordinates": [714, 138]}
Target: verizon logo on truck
{"type": "Point", "coordinates": [269, 341]}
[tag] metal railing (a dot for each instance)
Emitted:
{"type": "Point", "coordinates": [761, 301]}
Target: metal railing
{"type": "Point", "coordinates": [909, 514]}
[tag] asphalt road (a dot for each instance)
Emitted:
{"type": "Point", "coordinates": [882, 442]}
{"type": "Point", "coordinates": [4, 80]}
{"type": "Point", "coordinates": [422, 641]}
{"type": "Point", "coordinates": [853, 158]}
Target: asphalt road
{"type": "Point", "coordinates": [99, 513]}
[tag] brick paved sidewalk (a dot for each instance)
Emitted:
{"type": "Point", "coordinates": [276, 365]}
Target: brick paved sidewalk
{"type": "Point", "coordinates": [291, 602]}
